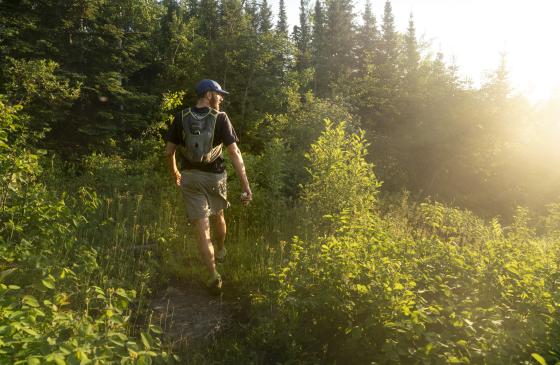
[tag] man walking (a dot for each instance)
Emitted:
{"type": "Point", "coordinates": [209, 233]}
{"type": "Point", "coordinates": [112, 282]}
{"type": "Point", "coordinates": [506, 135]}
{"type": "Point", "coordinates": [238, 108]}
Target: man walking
{"type": "Point", "coordinates": [197, 135]}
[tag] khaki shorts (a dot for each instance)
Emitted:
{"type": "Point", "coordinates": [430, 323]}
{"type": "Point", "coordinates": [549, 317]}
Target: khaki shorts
{"type": "Point", "coordinates": [204, 193]}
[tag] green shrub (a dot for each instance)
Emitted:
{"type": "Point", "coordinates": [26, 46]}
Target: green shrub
{"type": "Point", "coordinates": [428, 284]}
{"type": "Point", "coordinates": [342, 181]}
{"type": "Point", "coordinates": [68, 270]}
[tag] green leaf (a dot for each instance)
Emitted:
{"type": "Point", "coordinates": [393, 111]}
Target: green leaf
{"type": "Point", "coordinates": [30, 301]}
{"type": "Point", "coordinates": [4, 273]}
{"type": "Point", "coordinates": [144, 360]}
{"type": "Point", "coordinates": [31, 331]}
{"type": "Point", "coordinates": [539, 358]}
{"type": "Point", "coordinates": [145, 341]}
{"type": "Point", "coordinates": [58, 358]}
{"type": "Point", "coordinates": [48, 282]}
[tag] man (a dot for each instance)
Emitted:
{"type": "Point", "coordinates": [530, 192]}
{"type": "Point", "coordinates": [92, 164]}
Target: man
{"type": "Point", "coordinates": [197, 134]}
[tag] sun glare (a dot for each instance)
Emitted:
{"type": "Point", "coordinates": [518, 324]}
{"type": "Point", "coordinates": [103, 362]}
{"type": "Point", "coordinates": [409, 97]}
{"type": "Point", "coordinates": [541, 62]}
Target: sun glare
{"type": "Point", "coordinates": [474, 33]}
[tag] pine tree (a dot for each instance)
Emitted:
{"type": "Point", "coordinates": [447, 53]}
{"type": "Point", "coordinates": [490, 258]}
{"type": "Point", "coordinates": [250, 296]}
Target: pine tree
{"type": "Point", "coordinates": [302, 39]}
{"type": "Point", "coordinates": [367, 40]}
{"type": "Point", "coordinates": [265, 23]}
{"type": "Point", "coordinates": [411, 44]}
{"type": "Point", "coordinates": [181, 49]}
{"type": "Point", "coordinates": [253, 15]}
{"type": "Point", "coordinates": [339, 44]}
{"type": "Point", "coordinates": [208, 19]}
{"type": "Point", "coordinates": [387, 72]}
{"type": "Point", "coordinates": [318, 46]}
{"type": "Point", "coordinates": [497, 86]}
{"type": "Point", "coordinates": [282, 25]}
{"type": "Point", "coordinates": [389, 50]}
{"type": "Point", "coordinates": [192, 8]}
{"type": "Point", "coordinates": [411, 60]}
{"type": "Point", "coordinates": [103, 45]}
{"type": "Point", "coordinates": [368, 88]}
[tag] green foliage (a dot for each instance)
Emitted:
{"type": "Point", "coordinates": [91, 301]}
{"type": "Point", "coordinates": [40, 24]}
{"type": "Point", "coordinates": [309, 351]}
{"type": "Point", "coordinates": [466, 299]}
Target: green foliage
{"type": "Point", "coordinates": [297, 128]}
{"type": "Point", "coordinates": [424, 283]}
{"type": "Point", "coordinates": [30, 81]}
{"type": "Point", "coordinates": [342, 181]}
{"type": "Point", "coordinates": [268, 183]}
{"type": "Point", "coordinates": [46, 331]}
{"type": "Point", "coordinates": [552, 221]}
{"type": "Point", "coordinates": [378, 294]}
{"type": "Point", "coordinates": [66, 284]}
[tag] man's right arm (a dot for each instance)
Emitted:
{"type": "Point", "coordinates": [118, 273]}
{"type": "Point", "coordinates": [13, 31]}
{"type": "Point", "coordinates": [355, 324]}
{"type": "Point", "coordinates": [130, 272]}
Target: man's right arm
{"type": "Point", "coordinates": [170, 149]}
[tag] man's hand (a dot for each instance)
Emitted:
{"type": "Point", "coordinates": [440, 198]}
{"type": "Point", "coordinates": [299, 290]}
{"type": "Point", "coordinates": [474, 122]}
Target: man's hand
{"type": "Point", "coordinates": [237, 160]}
{"type": "Point", "coordinates": [177, 178]}
{"type": "Point", "coordinates": [170, 155]}
{"type": "Point", "coordinates": [246, 196]}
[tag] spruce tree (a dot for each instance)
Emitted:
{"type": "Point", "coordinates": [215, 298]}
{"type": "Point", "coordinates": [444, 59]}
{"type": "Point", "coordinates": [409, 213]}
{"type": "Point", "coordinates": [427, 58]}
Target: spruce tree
{"type": "Point", "coordinates": [302, 39]}
{"type": "Point", "coordinates": [367, 83]}
{"type": "Point", "coordinates": [339, 44]}
{"type": "Point", "coordinates": [105, 46]}
{"type": "Point", "coordinates": [388, 52]}
{"type": "Point", "coordinates": [192, 8]}
{"type": "Point", "coordinates": [318, 49]}
{"type": "Point", "coordinates": [387, 72]}
{"type": "Point", "coordinates": [208, 17]}
{"type": "Point", "coordinates": [367, 40]}
{"type": "Point", "coordinates": [411, 44]}
{"type": "Point", "coordinates": [265, 21]}
{"type": "Point", "coordinates": [411, 62]}
{"type": "Point", "coordinates": [282, 25]}
{"type": "Point", "coordinates": [253, 15]}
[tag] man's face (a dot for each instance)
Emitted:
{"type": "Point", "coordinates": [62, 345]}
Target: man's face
{"type": "Point", "coordinates": [215, 100]}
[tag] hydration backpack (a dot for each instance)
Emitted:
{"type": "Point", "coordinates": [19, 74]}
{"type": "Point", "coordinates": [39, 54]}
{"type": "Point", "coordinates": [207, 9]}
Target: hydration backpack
{"type": "Point", "coordinates": [198, 135]}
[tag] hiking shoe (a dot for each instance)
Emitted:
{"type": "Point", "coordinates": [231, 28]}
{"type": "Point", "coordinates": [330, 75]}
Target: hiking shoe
{"type": "Point", "coordinates": [214, 284]}
{"type": "Point", "coordinates": [221, 255]}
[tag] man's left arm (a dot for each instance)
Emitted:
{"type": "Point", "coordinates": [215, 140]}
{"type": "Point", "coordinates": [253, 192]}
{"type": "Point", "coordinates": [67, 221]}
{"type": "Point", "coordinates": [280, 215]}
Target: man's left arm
{"type": "Point", "coordinates": [235, 154]}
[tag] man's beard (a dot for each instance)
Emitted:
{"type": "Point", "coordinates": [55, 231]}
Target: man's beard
{"type": "Point", "coordinates": [214, 103]}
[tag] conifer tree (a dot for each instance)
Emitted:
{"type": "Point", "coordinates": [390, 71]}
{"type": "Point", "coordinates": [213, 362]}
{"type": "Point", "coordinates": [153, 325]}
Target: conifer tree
{"type": "Point", "coordinates": [265, 23]}
{"type": "Point", "coordinates": [318, 46]}
{"type": "Point", "coordinates": [497, 86]}
{"type": "Point", "coordinates": [368, 88]}
{"type": "Point", "coordinates": [367, 40]}
{"type": "Point", "coordinates": [207, 11]}
{"type": "Point", "coordinates": [302, 39]}
{"type": "Point", "coordinates": [192, 8]}
{"type": "Point", "coordinates": [252, 13]}
{"type": "Point", "coordinates": [389, 42]}
{"type": "Point", "coordinates": [411, 59]}
{"type": "Point", "coordinates": [339, 44]}
{"type": "Point", "coordinates": [387, 73]}
{"type": "Point", "coordinates": [103, 45]}
{"type": "Point", "coordinates": [411, 44]}
{"type": "Point", "coordinates": [282, 25]}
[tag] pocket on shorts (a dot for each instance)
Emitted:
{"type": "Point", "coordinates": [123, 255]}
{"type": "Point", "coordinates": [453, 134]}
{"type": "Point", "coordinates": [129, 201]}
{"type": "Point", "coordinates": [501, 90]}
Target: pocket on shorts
{"type": "Point", "coordinates": [222, 187]}
{"type": "Point", "coordinates": [189, 182]}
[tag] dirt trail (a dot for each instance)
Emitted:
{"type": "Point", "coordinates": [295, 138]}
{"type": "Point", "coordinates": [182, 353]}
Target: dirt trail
{"type": "Point", "coordinates": [190, 314]}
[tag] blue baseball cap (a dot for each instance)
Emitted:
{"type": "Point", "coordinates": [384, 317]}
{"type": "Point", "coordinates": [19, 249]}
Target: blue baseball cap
{"type": "Point", "coordinates": [209, 85]}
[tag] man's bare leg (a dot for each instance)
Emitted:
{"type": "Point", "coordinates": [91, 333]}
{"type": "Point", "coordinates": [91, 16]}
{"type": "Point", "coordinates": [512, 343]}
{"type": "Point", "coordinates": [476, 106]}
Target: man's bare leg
{"type": "Point", "coordinates": [219, 225]}
{"type": "Point", "coordinates": [205, 247]}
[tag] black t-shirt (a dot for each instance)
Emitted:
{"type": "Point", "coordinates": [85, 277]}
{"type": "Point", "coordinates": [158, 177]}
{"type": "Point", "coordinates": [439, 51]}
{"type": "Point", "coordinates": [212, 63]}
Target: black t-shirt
{"type": "Point", "coordinates": [223, 133]}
